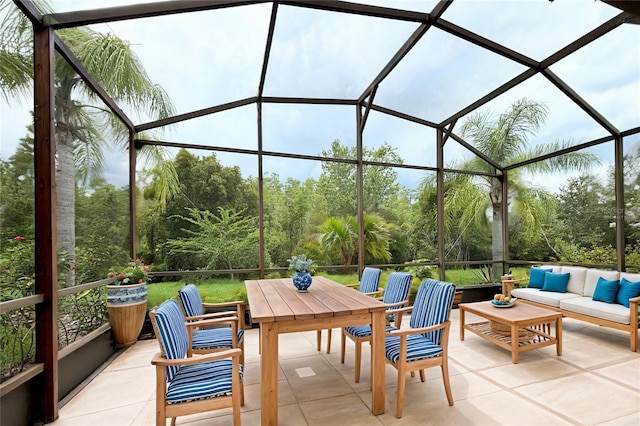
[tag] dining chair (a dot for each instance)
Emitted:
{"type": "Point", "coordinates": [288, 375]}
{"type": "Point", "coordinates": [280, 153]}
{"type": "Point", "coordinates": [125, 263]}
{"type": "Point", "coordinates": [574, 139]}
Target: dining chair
{"type": "Point", "coordinates": [424, 343]}
{"type": "Point", "coordinates": [189, 385]}
{"type": "Point", "coordinates": [396, 296]}
{"type": "Point", "coordinates": [229, 325]}
{"type": "Point", "coordinates": [369, 284]}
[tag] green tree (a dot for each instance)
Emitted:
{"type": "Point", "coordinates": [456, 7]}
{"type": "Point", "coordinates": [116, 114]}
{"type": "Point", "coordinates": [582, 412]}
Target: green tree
{"type": "Point", "coordinates": [17, 191]}
{"type": "Point", "coordinates": [338, 180]}
{"type": "Point", "coordinates": [587, 208]}
{"type": "Point", "coordinates": [84, 128]}
{"type": "Point", "coordinates": [339, 236]}
{"type": "Point", "coordinates": [228, 240]}
{"type": "Point", "coordinates": [505, 140]}
{"type": "Point", "coordinates": [204, 184]}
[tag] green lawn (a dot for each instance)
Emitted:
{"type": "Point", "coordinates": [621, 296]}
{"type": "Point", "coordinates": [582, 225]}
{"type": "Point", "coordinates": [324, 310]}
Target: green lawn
{"type": "Point", "coordinates": [226, 289]}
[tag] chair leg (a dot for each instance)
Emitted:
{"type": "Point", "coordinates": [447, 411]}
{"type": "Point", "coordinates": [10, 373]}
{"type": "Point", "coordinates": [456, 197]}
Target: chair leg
{"type": "Point", "coordinates": [236, 403]}
{"type": "Point", "coordinates": [358, 359]}
{"type": "Point", "coordinates": [173, 421]}
{"type": "Point", "coordinates": [445, 379]}
{"type": "Point", "coordinates": [422, 378]}
{"type": "Point", "coordinates": [400, 401]}
{"type": "Point", "coordinates": [329, 341]}
{"type": "Point", "coordinates": [343, 345]}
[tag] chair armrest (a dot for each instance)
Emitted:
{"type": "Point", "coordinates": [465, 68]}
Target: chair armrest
{"type": "Point", "coordinates": [635, 300]}
{"type": "Point", "coordinates": [212, 315]}
{"type": "Point", "coordinates": [408, 331]}
{"type": "Point", "coordinates": [402, 310]}
{"type": "Point", "coordinates": [159, 360]}
{"type": "Point", "coordinates": [200, 323]}
{"type": "Point", "coordinates": [240, 308]}
{"type": "Point", "coordinates": [353, 285]}
{"type": "Point", "coordinates": [391, 305]}
{"type": "Point", "coordinates": [376, 293]}
{"type": "Point", "coordinates": [215, 305]}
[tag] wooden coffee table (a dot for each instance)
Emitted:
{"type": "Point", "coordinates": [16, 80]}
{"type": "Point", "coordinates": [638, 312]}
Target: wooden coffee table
{"type": "Point", "coordinates": [530, 325]}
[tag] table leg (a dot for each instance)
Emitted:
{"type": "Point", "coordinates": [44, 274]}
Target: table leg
{"type": "Point", "coordinates": [269, 373]}
{"type": "Point", "coordinates": [514, 343]}
{"type": "Point", "coordinates": [461, 323]}
{"type": "Point", "coordinates": [559, 336]}
{"type": "Point", "coordinates": [377, 362]}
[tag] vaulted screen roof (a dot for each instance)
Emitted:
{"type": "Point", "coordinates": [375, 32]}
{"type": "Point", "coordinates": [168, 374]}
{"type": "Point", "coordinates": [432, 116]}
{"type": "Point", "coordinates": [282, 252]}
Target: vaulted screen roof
{"type": "Point", "coordinates": [431, 63]}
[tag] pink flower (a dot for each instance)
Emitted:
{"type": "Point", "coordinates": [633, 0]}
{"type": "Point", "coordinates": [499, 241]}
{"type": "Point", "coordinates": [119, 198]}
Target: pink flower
{"type": "Point", "coordinates": [18, 238]}
{"type": "Point", "coordinates": [145, 268]}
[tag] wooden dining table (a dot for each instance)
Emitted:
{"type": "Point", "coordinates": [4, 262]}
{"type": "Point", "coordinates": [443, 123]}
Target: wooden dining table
{"type": "Point", "coordinates": [278, 308]}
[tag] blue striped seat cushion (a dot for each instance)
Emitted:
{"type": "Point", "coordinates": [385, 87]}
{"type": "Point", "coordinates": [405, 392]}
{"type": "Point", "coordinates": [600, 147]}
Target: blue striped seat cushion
{"type": "Point", "coordinates": [198, 381]}
{"type": "Point", "coordinates": [418, 347]}
{"type": "Point", "coordinates": [214, 338]}
{"type": "Point", "coordinates": [362, 330]}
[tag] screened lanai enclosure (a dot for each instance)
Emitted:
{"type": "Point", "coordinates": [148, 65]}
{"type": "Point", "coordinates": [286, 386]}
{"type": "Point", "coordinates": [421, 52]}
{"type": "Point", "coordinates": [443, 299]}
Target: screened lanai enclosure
{"type": "Point", "coordinates": [221, 137]}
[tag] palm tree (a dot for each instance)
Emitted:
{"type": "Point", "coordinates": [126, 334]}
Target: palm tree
{"type": "Point", "coordinates": [505, 140]}
{"type": "Point", "coordinates": [340, 235]}
{"type": "Point", "coordinates": [84, 128]}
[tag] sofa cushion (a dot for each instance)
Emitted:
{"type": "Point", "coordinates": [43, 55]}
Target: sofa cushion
{"type": "Point", "coordinates": [629, 276]}
{"type": "Point", "coordinates": [550, 298]}
{"type": "Point", "coordinates": [587, 306]}
{"type": "Point", "coordinates": [591, 280]}
{"type": "Point", "coordinates": [556, 282]}
{"type": "Point", "coordinates": [576, 279]}
{"type": "Point", "coordinates": [536, 276]}
{"type": "Point", "coordinates": [606, 290]}
{"type": "Point", "coordinates": [627, 290]}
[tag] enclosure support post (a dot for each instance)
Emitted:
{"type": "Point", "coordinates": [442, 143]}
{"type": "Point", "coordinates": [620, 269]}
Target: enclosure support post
{"type": "Point", "coordinates": [44, 151]}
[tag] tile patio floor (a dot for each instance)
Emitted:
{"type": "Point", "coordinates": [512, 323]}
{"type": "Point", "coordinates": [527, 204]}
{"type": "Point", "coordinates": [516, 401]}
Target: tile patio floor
{"type": "Point", "coordinates": [595, 382]}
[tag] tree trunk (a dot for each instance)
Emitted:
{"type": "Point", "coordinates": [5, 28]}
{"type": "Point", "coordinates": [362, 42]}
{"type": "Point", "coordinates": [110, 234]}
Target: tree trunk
{"type": "Point", "coordinates": [497, 249]}
{"type": "Point", "coordinates": [66, 209]}
{"type": "Point", "coordinates": [496, 241]}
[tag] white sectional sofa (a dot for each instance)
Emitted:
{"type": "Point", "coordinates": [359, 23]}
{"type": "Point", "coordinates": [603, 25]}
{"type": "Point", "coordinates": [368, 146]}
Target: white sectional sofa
{"type": "Point", "coordinates": [577, 302]}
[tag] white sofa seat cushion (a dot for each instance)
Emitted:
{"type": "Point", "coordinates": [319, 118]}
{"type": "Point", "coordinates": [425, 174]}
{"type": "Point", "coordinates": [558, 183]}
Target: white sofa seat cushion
{"type": "Point", "coordinates": [550, 298]}
{"type": "Point", "coordinates": [588, 306]}
{"type": "Point", "coordinates": [591, 280]}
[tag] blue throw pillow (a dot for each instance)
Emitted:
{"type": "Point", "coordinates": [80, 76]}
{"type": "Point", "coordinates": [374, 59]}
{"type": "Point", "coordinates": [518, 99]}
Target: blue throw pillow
{"type": "Point", "coordinates": [555, 282]}
{"type": "Point", "coordinates": [536, 277]}
{"type": "Point", "coordinates": [627, 290]}
{"type": "Point", "coordinates": [606, 290]}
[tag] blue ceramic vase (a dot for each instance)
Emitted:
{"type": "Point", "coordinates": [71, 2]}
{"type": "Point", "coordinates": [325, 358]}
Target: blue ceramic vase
{"type": "Point", "coordinates": [302, 281]}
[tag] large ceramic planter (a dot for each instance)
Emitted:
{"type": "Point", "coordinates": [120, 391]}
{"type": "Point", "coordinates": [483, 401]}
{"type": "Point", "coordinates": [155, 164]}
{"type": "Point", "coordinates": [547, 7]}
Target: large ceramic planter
{"type": "Point", "coordinates": [127, 306]}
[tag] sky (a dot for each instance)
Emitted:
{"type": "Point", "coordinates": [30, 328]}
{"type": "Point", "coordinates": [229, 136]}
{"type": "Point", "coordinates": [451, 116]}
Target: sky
{"type": "Point", "coordinates": [211, 58]}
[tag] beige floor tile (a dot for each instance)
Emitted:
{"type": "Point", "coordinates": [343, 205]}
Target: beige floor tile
{"type": "Point", "coordinates": [137, 355]}
{"type": "Point", "coordinates": [629, 420]}
{"type": "Point", "coordinates": [586, 398]}
{"type": "Point", "coordinates": [147, 415]}
{"type": "Point", "coordinates": [590, 352]}
{"type": "Point", "coordinates": [626, 372]}
{"type": "Point", "coordinates": [313, 378]}
{"type": "Point", "coordinates": [114, 389]}
{"type": "Point", "coordinates": [122, 415]}
{"type": "Point", "coordinates": [529, 371]}
{"type": "Point", "coordinates": [344, 410]}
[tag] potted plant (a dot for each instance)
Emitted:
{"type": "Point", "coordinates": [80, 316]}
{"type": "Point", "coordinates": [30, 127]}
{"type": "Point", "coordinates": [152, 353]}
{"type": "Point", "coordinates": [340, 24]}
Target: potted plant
{"type": "Point", "coordinates": [127, 302]}
{"type": "Point", "coordinates": [302, 267]}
